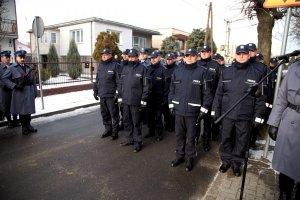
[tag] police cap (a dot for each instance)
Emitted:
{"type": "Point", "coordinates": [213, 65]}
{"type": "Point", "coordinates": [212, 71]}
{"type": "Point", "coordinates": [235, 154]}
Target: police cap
{"type": "Point", "coordinates": [126, 52]}
{"type": "Point", "coordinates": [252, 47]}
{"type": "Point", "coordinates": [273, 61]}
{"type": "Point", "coordinates": [5, 53]}
{"type": "Point", "coordinates": [242, 49]}
{"type": "Point", "coordinates": [154, 54]}
{"type": "Point", "coordinates": [20, 53]}
{"type": "Point", "coordinates": [171, 56]}
{"type": "Point", "coordinates": [133, 53]}
{"type": "Point", "coordinates": [259, 56]}
{"type": "Point", "coordinates": [106, 51]}
{"type": "Point", "coordinates": [191, 52]}
{"type": "Point", "coordinates": [206, 48]}
{"type": "Point", "coordinates": [144, 51]}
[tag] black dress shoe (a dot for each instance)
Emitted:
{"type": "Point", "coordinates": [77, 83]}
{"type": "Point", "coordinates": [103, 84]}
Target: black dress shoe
{"type": "Point", "coordinates": [177, 161]}
{"type": "Point", "coordinates": [25, 131]}
{"type": "Point", "coordinates": [149, 135]}
{"type": "Point", "coordinates": [114, 137]}
{"type": "Point", "coordinates": [10, 124]}
{"type": "Point", "coordinates": [31, 129]}
{"type": "Point", "coordinates": [106, 134]}
{"type": "Point", "coordinates": [126, 143]}
{"type": "Point", "coordinates": [224, 167]}
{"type": "Point", "coordinates": [137, 149]}
{"type": "Point", "coordinates": [159, 138]}
{"type": "Point", "coordinates": [236, 171]}
{"type": "Point", "coordinates": [189, 164]}
{"type": "Point", "coordinates": [16, 123]}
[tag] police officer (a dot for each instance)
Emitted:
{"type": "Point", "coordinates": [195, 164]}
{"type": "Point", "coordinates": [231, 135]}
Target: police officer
{"type": "Point", "coordinates": [156, 97]}
{"type": "Point", "coordinates": [20, 78]}
{"type": "Point", "coordinates": [133, 94]}
{"type": "Point", "coordinates": [169, 118]}
{"type": "Point", "coordinates": [105, 88]}
{"type": "Point", "coordinates": [123, 62]}
{"type": "Point", "coordinates": [143, 57]}
{"type": "Point", "coordinates": [259, 58]}
{"type": "Point", "coordinates": [220, 59]}
{"type": "Point", "coordinates": [234, 83]}
{"type": "Point", "coordinates": [284, 127]}
{"type": "Point", "coordinates": [179, 58]}
{"type": "Point", "coordinates": [5, 92]}
{"type": "Point", "coordinates": [263, 69]}
{"type": "Point", "coordinates": [212, 66]}
{"type": "Point", "coordinates": [190, 96]}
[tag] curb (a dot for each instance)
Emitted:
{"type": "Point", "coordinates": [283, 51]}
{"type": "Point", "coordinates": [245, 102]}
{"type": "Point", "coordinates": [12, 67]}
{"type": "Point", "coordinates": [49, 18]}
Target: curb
{"type": "Point", "coordinates": [4, 123]}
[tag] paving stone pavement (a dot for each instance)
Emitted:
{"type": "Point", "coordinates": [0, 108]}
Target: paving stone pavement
{"type": "Point", "coordinates": [261, 183]}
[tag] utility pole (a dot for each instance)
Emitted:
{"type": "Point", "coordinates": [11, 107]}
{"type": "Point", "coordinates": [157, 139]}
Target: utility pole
{"type": "Point", "coordinates": [209, 17]}
{"type": "Point", "coordinates": [227, 37]}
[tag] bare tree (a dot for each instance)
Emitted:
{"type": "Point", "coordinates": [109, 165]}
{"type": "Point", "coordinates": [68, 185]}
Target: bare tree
{"type": "Point", "coordinates": [266, 19]}
{"type": "Point", "coordinates": [296, 25]}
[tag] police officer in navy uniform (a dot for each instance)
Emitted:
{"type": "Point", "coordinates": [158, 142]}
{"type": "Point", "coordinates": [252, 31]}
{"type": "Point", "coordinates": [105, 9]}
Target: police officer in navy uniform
{"type": "Point", "coordinates": [156, 73]}
{"type": "Point", "coordinates": [169, 118]}
{"type": "Point", "coordinates": [236, 126]}
{"type": "Point", "coordinates": [143, 57]}
{"type": "Point", "coordinates": [191, 97]}
{"type": "Point", "coordinates": [20, 78]}
{"type": "Point", "coordinates": [5, 92]}
{"type": "Point", "coordinates": [179, 58]}
{"type": "Point", "coordinates": [133, 94]}
{"type": "Point", "coordinates": [213, 68]}
{"type": "Point", "coordinates": [105, 88]}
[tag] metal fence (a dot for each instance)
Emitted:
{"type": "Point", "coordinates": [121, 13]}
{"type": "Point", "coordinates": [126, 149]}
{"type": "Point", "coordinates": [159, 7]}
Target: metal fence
{"type": "Point", "coordinates": [62, 78]}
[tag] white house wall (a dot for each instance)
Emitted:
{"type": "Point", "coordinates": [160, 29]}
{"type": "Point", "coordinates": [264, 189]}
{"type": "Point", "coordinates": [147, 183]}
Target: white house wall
{"type": "Point", "coordinates": [126, 34]}
{"type": "Point", "coordinates": [84, 48]}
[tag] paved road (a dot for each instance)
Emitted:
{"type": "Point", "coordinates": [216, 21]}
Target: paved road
{"type": "Point", "coordinates": [67, 159]}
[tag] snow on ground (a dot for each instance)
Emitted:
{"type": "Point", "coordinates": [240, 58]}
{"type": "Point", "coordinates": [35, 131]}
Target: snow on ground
{"type": "Point", "coordinates": [64, 101]}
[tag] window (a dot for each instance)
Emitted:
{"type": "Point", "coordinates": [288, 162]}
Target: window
{"type": "Point", "coordinates": [53, 38]}
{"type": "Point", "coordinates": [77, 35]}
{"type": "Point", "coordinates": [118, 33]}
{"type": "Point", "coordinates": [44, 38]}
{"type": "Point", "coordinates": [138, 42]}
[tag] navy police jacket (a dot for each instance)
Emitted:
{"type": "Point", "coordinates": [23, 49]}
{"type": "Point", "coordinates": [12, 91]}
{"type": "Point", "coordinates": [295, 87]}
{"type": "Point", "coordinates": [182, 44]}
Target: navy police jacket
{"type": "Point", "coordinates": [190, 90]}
{"type": "Point", "coordinates": [156, 73]}
{"type": "Point", "coordinates": [133, 87]}
{"type": "Point", "coordinates": [106, 79]}
{"type": "Point", "coordinates": [234, 83]}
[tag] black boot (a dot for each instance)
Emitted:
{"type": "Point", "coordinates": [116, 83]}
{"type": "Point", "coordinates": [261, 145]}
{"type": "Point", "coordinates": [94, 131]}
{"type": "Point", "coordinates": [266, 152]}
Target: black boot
{"type": "Point", "coordinates": [10, 124]}
{"type": "Point", "coordinates": [206, 146]}
{"type": "Point", "coordinates": [105, 134]}
{"type": "Point", "coordinates": [31, 128]}
{"type": "Point", "coordinates": [177, 161]}
{"type": "Point", "coordinates": [25, 130]}
{"type": "Point", "coordinates": [189, 164]}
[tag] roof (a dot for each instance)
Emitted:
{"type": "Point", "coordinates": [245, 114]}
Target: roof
{"type": "Point", "coordinates": [95, 19]}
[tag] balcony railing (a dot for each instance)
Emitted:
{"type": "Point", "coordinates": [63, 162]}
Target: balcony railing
{"type": "Point", "coordinates": [8, 27]}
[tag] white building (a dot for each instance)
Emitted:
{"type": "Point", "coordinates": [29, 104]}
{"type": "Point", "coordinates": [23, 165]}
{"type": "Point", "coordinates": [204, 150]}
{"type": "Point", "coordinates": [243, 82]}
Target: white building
{"type": "Point", "coordinates": [85, 32]}
{"type": "Point", "coordinates": [8, 25]}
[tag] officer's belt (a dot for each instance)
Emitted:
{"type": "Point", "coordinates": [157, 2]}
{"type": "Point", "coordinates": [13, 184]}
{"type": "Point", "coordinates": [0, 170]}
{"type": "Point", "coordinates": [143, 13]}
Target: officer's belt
{"type": "Point", "coordinates": [294, 107]}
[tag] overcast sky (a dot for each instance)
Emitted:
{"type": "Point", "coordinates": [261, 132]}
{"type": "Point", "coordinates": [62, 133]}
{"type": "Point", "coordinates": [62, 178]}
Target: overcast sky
{"type": "Point", "coordinates": [181, 14]}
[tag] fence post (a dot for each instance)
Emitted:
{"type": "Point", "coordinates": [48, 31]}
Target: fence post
{"type": "Point", "coordinates": [92, 77]}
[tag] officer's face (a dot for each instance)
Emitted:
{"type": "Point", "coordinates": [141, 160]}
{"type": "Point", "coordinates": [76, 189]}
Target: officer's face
{"type": "Point", "coordinates": [242, 57]}
{"type": "Point", "coordinates": [252, 53]}
{"type": "Point", "coordinates": [190, 59]}
{"type": "Point", "coordinates": [133, 58]}
{"type": "Point", "coordinates": [125, 57]}
{"type": "Point", "coordinates": [106, 57]}
{"type": "Point", "coordinates": [143, 56]}
{"type": "Point", "coordinates": [20, 59]}
{"type": "Point", "coordinates": [5, 59]}
{"type": "Point", "coordinates": [205, 54]}
{"type": "Point", "coordinates": [155, 60]}
{"type": "Point", "coordinates": [170, 61]}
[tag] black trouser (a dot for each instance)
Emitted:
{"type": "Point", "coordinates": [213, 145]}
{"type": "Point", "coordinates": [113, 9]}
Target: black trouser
{"type": "Point", "coordinates": [8, 117]}
{"type": "Point", "coordinates": [155, 118]}
{"type": "Point", "coordinates": [286, 184]}
{"type": "Point", "coordinates": [185, 131]}
{"type": "Point", "coordinates": [132, 124]}
{"type": "Point", "coordinates": [25, 120]}
{"type": "Point", "coordinates": [235, 136]}
{"type": "Point", "coordinates": [110, 115]}
{"type": "Point", "coordinates": [169, 120]}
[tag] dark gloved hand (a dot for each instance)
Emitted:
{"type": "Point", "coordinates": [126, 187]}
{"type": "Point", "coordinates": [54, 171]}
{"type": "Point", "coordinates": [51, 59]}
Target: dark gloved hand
{"type": "Point", "coordinates": [172, 111]}
{"type": "Point", "coordinates": [253, 90]}
{"type": "Point", "coordinates": [273, 132]}
{"type": "Point", "coordinates": [19, 86]}
{"type": "Point", "coordinates": [255, 124]}
{"type": "Point", "coordinates": [201, 116]}
{"type": "Point", "coordinates": [96, 97]}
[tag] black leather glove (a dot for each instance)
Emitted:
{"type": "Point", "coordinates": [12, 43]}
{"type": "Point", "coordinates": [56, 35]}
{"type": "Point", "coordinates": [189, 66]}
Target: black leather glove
{"type": "Point", "coordinates": [96, 97]}
{"type": "Point", "coordinates": [201, 116]}
{"type": "Point", "coordinates": [19, 86]}
{"type": "Point", "coordinates": [273, 132]}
